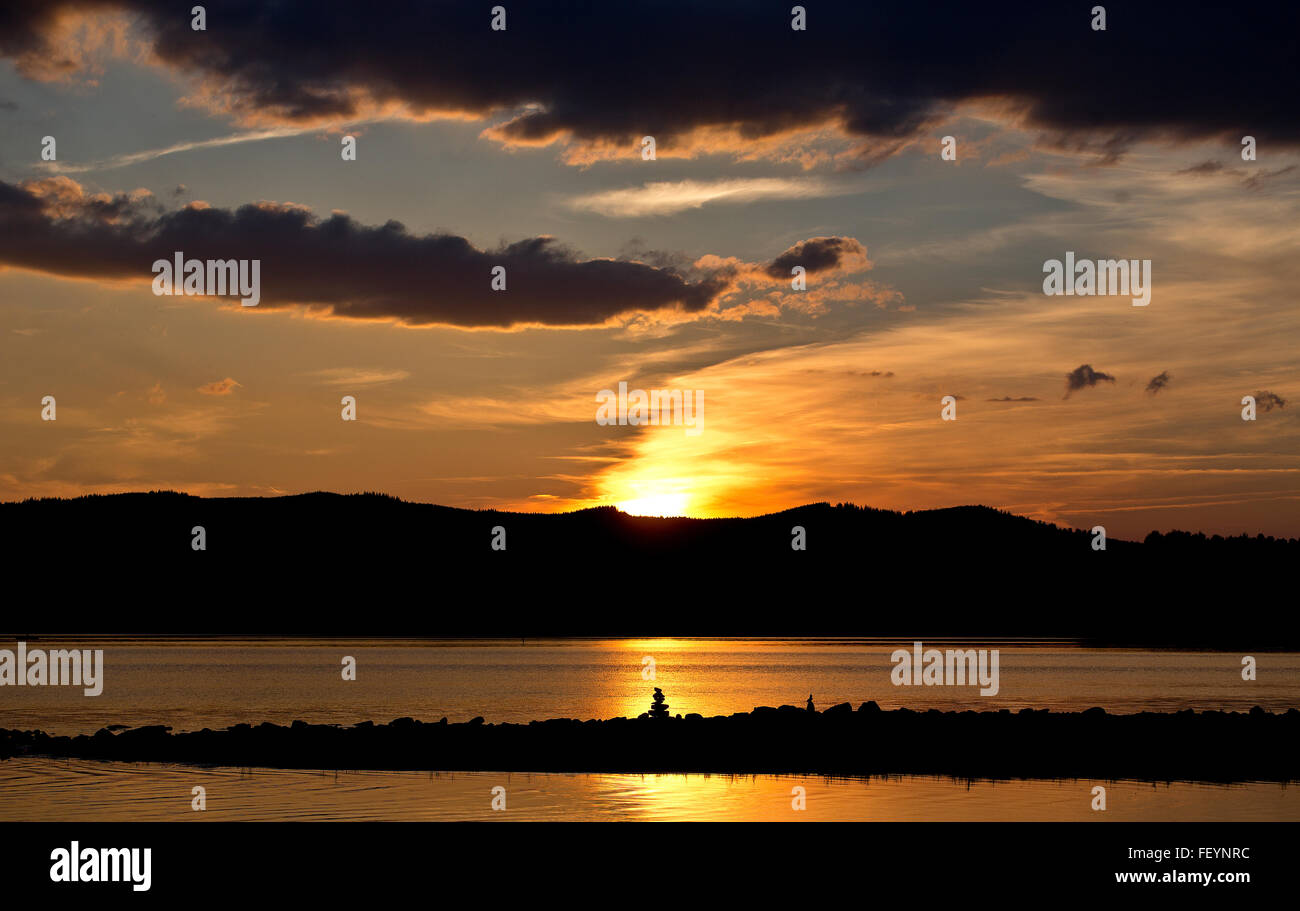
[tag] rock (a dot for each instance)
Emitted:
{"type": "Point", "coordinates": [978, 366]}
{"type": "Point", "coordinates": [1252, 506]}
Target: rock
{"type": "Point", "coordinates": [148, 732]}
{"type": "Point", "coordinates": [869, 707]}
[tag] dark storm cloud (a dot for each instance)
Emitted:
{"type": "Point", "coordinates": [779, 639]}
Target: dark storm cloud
{"type": "Point", "coordinates": [617, 71]}
{"type": "Point", "coordinates": [359, 271]}
{"type": "Point", "coordinates": [1017, 398]}
{"type": "Point", "coordinates": [815, 255]}
{"type": "Point", "coordinates": [1084, 377]}
{"type": "Point", "coordinates": [1158, 382]}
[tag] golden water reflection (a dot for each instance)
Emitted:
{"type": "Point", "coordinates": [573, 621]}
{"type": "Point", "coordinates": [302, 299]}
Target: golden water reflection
{"type": "Point", "coordinates": [33, 789]}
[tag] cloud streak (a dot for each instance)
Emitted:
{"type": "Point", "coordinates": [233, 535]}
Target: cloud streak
{"type": "Point", "coordinates": [122, 161]}
{"type": "Point", "coordinates": [666, 198]}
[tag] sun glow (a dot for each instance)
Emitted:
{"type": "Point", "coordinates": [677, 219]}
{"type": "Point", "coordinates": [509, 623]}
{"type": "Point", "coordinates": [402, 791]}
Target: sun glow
{"type": "Point", "coordinates": [663, 504]}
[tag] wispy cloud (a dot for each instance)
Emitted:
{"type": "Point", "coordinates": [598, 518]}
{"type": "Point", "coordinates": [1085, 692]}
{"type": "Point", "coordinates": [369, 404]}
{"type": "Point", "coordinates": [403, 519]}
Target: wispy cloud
{"type": "Point", "coordinates": [1158, 382]}
{"type": "Point", "coordinates": [358, 376]}
{"type": "Point", "coordinates": [668, 197]}
{"type": "Point", "coordinates": [219, 387]}
{"type": "Point", "coordinates": [130, 158]}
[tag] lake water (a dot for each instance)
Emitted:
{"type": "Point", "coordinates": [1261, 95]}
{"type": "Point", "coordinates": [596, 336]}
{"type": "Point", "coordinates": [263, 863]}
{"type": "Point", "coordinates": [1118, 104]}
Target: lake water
{"type": "Point", "coordinates": [34, 789]}
{"type": "Point", "coordinates": [191, 684]}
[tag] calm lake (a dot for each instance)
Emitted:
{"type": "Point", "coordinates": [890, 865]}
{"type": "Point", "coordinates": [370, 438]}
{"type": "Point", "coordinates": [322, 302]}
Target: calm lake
{"type": "Point", "coordinates": [77, 790]}
{"type": "Point", "coordinates": [190, 684]}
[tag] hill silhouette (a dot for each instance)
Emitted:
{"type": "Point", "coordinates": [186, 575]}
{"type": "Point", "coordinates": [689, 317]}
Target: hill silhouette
{"type": "Point", "coordinates": [371, 564]}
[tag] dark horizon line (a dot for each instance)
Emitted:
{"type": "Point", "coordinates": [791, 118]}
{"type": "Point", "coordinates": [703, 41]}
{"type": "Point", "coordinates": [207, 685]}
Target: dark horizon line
{"type": "Point", "coordinates": [611, 508]}
{"type": "Point", "coordinates": [321, 640]}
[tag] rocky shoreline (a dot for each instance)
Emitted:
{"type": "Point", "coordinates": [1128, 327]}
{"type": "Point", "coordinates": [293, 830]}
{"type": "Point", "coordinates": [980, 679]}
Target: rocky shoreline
{"type": "Point", "coordinates": [840, 741]}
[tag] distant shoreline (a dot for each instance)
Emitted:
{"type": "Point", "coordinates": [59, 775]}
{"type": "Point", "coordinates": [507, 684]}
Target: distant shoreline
{"type": "Point", "coordinates": [307, 640]}
{"type": "Point", "coordinates": [1207, 746]}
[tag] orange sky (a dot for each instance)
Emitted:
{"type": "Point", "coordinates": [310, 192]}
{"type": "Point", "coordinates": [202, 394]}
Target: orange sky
{"type": "Point", "coordinates": [828, 393]}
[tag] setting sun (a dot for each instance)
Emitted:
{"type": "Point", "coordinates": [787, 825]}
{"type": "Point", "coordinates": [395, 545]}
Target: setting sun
{"type": "Point", "coordinates": [664, 504]}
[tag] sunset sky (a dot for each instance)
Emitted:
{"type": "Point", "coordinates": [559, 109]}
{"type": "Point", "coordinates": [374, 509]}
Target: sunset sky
{"type": "Point", "coordinates": [775, 147]}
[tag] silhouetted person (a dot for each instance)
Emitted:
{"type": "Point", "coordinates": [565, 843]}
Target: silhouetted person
{"type": "Point", "coordinates": [810, 705]}
{"type": "Point", "coordinates": [659, 708]}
